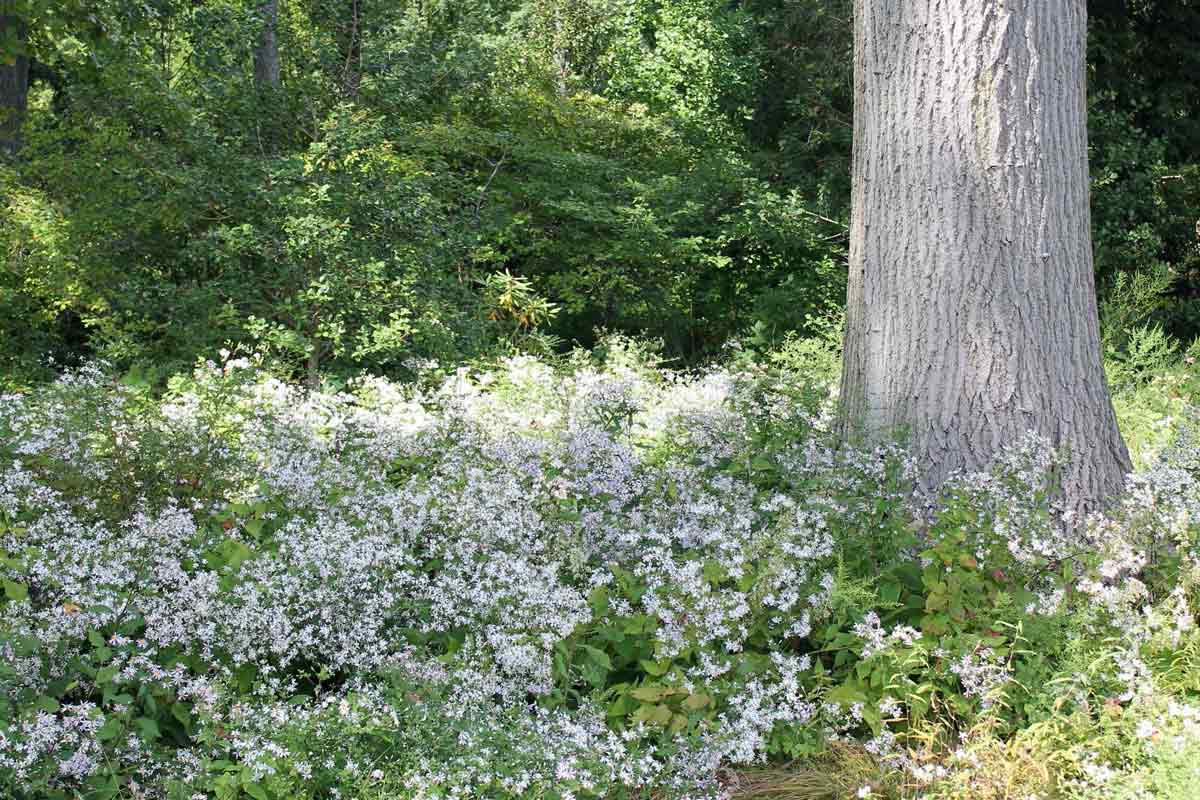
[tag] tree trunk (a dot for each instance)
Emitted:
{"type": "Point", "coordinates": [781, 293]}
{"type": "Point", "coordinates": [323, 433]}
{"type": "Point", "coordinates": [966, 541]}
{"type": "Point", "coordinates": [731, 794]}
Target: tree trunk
{"type": "Point", "coordinates": [971, 310]}
{"type": "Point", "coordinates": [350, 44]}
{"type": "Point", "coordinates": [14, 84]}
{"type": "Point", "coordinates": [266, 54]}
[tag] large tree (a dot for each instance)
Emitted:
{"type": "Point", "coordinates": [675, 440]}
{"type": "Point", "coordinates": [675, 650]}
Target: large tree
{"type": "Point", "coordinates": [971, 310]}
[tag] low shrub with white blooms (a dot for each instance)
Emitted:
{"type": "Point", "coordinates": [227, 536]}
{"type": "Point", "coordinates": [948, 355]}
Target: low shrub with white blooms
{"type": "Point", "coordinates": [577, 580]}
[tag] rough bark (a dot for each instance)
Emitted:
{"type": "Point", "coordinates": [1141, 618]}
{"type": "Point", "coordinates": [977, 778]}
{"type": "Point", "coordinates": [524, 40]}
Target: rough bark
{"type": "Point", "coordinates": [14, 85]}
{"type": "Point", "coordinates": [971, 310]}
{"type": "Point", "coordinates": [266, 53]}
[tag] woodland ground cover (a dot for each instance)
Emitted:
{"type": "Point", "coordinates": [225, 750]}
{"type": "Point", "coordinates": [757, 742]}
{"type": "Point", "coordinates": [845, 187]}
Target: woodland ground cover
{"type": "Point", "coordinates": [596, 577]}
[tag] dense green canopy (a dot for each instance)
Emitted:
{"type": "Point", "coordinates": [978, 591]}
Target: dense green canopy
{"type": "Point", "coordinates": [437, 178]}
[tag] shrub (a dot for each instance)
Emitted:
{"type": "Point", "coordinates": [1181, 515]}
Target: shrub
{"type": "Point", "coordinates": [599, 578]}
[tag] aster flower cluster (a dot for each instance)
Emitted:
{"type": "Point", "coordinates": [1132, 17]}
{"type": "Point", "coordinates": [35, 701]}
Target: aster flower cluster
{"type": "Point", "coordinates": [518, 582]}
{"type": "Point", "coordinates": [243, 543]}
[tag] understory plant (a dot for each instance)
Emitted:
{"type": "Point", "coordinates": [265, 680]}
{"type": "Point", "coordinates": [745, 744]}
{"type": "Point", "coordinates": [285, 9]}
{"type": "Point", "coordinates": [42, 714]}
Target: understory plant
{"type": "Point", "coordinates": [596, 578]}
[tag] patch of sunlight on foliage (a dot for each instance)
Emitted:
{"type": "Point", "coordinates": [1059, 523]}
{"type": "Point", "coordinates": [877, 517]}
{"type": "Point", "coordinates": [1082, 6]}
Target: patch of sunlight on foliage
{"type": "Point", "coordinates": [592, 575]}
{"type": "Point", "coordinates": [1152, 385]}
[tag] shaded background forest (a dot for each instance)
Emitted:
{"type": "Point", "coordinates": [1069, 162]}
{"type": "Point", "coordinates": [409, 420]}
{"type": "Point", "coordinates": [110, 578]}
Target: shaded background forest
{"type": "Point", "coordinates": [452, 179]}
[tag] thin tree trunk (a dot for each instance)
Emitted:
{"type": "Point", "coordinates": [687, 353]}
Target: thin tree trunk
{"type": "Point", "coordinates": [266, 54]}
{"type": "Point", "coordinates": [14, 83]}
{"type": "Point", "coordinates": [971, 310]}
{"type": "Point", "coordinates": [350, 44]}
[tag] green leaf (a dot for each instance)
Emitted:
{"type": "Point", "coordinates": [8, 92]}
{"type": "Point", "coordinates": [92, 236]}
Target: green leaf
{"type": "Point", "coordinates": [598, 656]}
{"type": "Point", "coordinates": [256, 791]}
{"type": "Point", "coordinates": [655, 668]}
{"type": "Point", "coordinates": [111, 729]}
{"type": "Point", "coordinates": [598, 600]}
{"type": "Point", "coordinates": [650, 693]}
{"type": "Point", "coordinates": [847, 694]}
{"type": "Point", "coordinates": [17, 592]}
{"type": "Point", "coordinates": [246, 675]}
{"type": "Point", "coordinates": [658, 715]}
{"type": "Point", "coordinates": [872, 717]}
{"type": "Point", "coordinates": [935, 624]}
{"type": "Point", "coordinates": [889, 593]}
{"type": "Point", "coordinates": [640, 623]}
{"type": "Point", "coordinates": [102, 787]}
{"type": "Point", "coordinates": [620, 707]}
{"type": "Point", "coordinates": [148, 728]}
{"type": "Point", "coordinates": [47, 704]}
{"type": "Point", "coordinates": [181, 712]}
{"type": "Point", "coordinates": [714, 572]}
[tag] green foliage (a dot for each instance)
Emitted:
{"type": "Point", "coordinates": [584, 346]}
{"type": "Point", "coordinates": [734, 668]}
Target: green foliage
{"type": "Point", "coordinates": [677, 169]}
{"type": "Point", "coordinates": [165, 205]}
{"type": "Point", "coordinates": [972, 633]}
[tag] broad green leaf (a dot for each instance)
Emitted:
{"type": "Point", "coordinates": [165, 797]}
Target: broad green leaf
{"type": "Point", "coordinates": [147, 727]}
{"type": "Point", "coordinates": [14, 591]}
{"type": "Point", "coordinates": [655, 668]}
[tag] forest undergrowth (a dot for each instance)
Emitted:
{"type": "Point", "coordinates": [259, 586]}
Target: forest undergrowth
{"type": "Point", "coordinates": [593, 578]}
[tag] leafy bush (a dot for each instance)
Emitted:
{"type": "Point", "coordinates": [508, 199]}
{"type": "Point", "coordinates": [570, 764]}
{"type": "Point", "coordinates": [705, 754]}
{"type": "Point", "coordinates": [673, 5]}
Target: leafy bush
{"type": "Point", "coordinates": [596, 579]}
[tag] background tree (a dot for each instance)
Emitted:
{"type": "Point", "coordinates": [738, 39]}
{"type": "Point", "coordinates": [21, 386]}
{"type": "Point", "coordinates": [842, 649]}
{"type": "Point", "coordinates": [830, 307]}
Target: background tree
{"type": "Point", "coordinates": [266, 54]}
{"type": "Point", "coordinates": [14, 76]}
{"type": "Point", "coordinates": [971, 313]}
{"type": "Point", "coordinates": [677, 168]}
